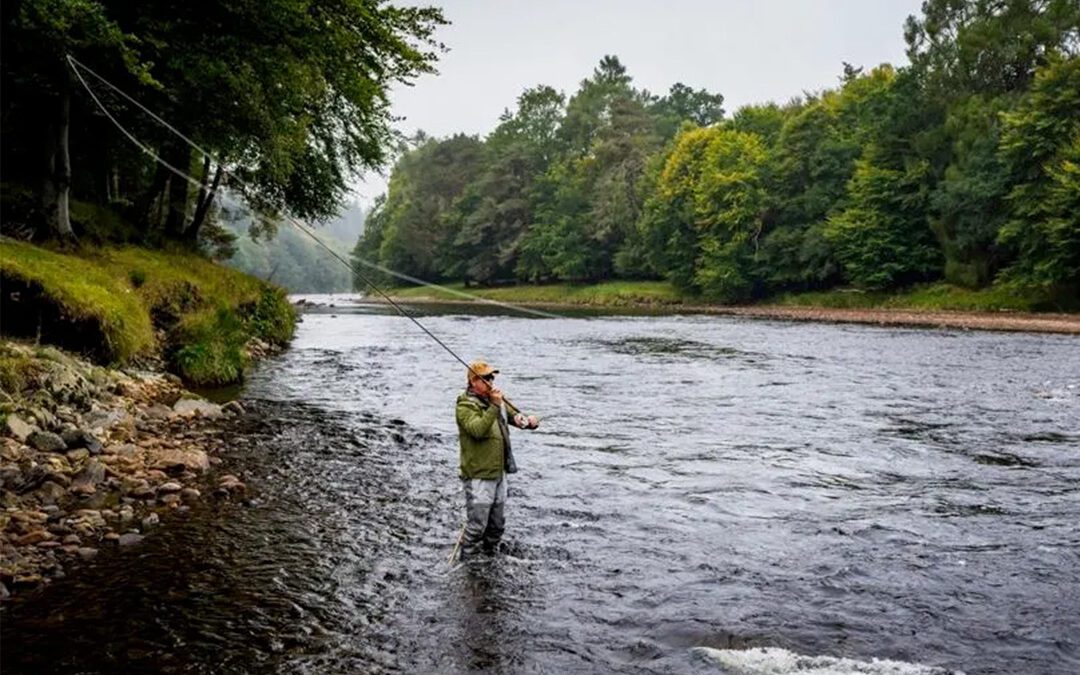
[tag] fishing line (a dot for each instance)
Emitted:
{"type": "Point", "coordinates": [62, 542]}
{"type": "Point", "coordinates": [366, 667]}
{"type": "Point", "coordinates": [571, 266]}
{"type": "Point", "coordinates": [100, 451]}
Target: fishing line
{"type": "Point", "coordinates": [77, 66]}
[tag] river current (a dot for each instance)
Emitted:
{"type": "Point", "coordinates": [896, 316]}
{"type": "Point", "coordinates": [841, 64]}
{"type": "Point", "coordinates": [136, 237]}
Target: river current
{"type": "Point", "coordinates": [705, 494]}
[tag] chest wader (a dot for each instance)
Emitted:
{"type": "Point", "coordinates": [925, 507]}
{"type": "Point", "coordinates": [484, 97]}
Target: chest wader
{"type": "Point", "coordinates": [485, 501]}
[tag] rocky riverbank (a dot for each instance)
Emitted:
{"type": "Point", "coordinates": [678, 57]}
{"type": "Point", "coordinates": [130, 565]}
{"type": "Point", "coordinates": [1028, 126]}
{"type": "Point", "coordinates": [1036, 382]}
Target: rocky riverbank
{"type": "Point", "coordinates": [93, 457]}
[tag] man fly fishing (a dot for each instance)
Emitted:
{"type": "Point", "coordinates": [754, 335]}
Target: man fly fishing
{"type": "Point", "coordinates": [483, 419]}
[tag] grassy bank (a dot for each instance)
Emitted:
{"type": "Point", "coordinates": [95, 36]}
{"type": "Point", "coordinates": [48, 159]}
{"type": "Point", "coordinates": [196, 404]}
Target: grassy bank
{"type": "Point", "coordinates": [606, 294]}
{"type": "Point", "coordinates": [123, 304]}
{"type": "Point", "coordinates": [928, 297]}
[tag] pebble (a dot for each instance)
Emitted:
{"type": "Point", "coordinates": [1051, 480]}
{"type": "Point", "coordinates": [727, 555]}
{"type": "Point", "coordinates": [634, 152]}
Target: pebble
{"type": "Point", "coordinates": [46, 441]}
{"type": "Point", "coordinates": [190, 494]}
{"type": "Point", "coordinates": [86, 552]}
{"type": "Point", "coordinates": [233, 408]}
{"type": "Point", "coordinates": [143, 492]}
{"type": "Point", "coordinates": [78, 455]}
{"type": "Point", "coordinates": [80, 444]}
{"type": "Point", "coordinates": [129, 539]}
{"type": "Point", "coordinates": [18, 428]}
{"type": "Point", "coordinates": [34, 537]}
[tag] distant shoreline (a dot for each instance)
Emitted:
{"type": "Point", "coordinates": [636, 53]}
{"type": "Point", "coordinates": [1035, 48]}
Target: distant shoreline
{"type": "Point", "coordinates": [1066, 324]}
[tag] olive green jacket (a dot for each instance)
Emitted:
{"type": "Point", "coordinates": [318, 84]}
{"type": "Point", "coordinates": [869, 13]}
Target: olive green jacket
{"type": "Point", "coordinates": [485, 440]}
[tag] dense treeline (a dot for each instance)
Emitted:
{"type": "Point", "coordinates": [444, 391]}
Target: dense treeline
{"type": "Point", "coordinates": [290, 95]}
{"type": "Point", "coordinates": [962, 166]}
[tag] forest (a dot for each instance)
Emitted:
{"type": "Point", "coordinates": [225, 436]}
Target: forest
{"type": "Point", "coordinates": [289, 100]}
{"type": "Point", "coordinates": [962, 166]}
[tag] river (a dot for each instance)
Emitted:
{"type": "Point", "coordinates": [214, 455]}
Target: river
{"type": "Point", "coordinates": [840, 497]}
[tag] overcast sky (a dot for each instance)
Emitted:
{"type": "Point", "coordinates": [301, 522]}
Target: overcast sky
{"type": "Point", "coordinates": [751, 51]}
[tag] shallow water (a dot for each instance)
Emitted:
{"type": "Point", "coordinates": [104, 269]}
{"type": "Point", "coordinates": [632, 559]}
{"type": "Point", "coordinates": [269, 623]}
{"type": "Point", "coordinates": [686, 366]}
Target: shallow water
{"type": "Point", "coordinates": [700, 486]}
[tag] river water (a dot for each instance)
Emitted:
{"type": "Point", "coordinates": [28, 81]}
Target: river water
{"type": "Point", "coordinates": [705, 494]}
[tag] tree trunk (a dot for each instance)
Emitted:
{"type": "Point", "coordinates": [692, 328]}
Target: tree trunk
{"type": "Point", "coordinates": [56, 186]}
{"type": "Point", "coordinates": [179, 157]}
{"type": "Point", "coordinates": [145, 205]}
{"type": "Point", "coordinates": [202, 184]}
{"type": "Point", "coordinates": [205, 200]}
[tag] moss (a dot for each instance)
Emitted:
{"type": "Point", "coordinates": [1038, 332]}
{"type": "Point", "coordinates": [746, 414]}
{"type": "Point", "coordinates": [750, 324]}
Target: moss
{"type": "Point", "coordinates": [100, 224]}
{"type": "Point", "coordinates": [68, 294]}
{"type": "Point", "coordinates": [17, 370]}
{"type": "Point", "coordinates": [110, 302]}
{"type": "Point", "coordinates": [273, 317]}
{"type": "Point", "coordinates": [213, 347]}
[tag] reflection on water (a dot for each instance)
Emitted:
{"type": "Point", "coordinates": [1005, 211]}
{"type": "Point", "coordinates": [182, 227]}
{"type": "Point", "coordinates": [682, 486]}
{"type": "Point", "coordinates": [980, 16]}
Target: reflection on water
{"type": "Point", "coordinates": [705, 495]}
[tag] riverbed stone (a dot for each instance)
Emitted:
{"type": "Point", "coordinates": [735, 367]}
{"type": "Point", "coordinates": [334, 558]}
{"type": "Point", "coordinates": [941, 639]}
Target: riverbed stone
{"type": "Point", "coordinates": [51, 492]}
{"type": "Point", "coordinates": [129, 539]}
{"type": "Point", "coordinates": [81, 438]}
{"type": "Point", "coordinates": [44, 418]}
{"type": "Point", "coordinates": [87, 552]}
{"type": "Point", "coordinates": [170, 499]}
{"type": "Point", "coordinates": [103, 420]}
{"type": "Point", "coordinates": [193, 406]}
{"type": "Point", "coordinates": [125, 450]}
{"type": "Point", "coordinates": [31, 477]}
{"type": "Point", "coordinates": [46, 441]}
{"type": "Point", "coordinates": [77, 455]}
{"type": "Point", "coordinates": [233, 408]}
{"type": "Point", "coordinates": [175, 459]}
{"type": "Point", "coordinates": [158, 411]}
{"type": "Point", "coordinates": [92, 474]}
{"type": "Point", "coordinates": [33, 537]}
{"type": "Point", "coordinates": [150, 521]}
{"type": "Point", "coordinates": [170, 487]}
{"type": "Point", "coordinates": [17, 428]}
{"type": "Point", "coordinates": [142, 492]}
{"type": "Point", "coordinates": [190, 494]}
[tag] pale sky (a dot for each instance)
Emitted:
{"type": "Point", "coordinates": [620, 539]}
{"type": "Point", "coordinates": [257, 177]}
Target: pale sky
{"type": "Point", "coordinates": [751, 51]}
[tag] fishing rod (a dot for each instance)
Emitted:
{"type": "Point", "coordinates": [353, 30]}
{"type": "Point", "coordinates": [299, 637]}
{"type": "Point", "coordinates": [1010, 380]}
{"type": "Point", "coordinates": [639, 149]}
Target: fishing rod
{"type": "Point", "coordinates": [76, 65]}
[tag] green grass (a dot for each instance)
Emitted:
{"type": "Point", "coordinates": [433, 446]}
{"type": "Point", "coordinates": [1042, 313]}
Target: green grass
{"type": "Point", "coordinates": [937, 296]}
{"type": "Point", "coordinates": [84, 291]}
{"type": "Point", "coordinates": [17, 370]}
{"type": "Point", "coordinates": [608, 293]}
{"type": "Point", "coordinates": [926, 297]}
{"type": "Point", "coordinates": [205, 312]}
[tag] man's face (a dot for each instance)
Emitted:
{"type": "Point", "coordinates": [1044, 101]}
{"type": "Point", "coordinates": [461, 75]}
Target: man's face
{"type": "Point", "coordinates": [483, 385]}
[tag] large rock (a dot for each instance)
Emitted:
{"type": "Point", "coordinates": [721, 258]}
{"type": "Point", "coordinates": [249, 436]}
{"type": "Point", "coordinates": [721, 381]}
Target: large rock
{"type": "Point", "coordinates": [18, 428]}
{"type": "Point", "coordinates": [192, 406]}
{"type": "Point", "coordinates": [92, 474]}
{"type": "Point", "coordinates": [101, 420]}
{"type": "Point", "coordinates": [66, 385]}
{"type": "Point", "coordinates": [46, 441]}
{"type": "Point", "coordinates": [175, 460]}
{"type": "Point", "coordinates": [158, 411]}
{"type": "Point", "coordinates": [233, 408]}
{"type": "Point", "coordinates": [80, 438]}
{"type": "Point", "coordinates": [51, 492]}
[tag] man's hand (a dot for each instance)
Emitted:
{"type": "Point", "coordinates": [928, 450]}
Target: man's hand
{"type": "Point", "coordinates": [496, 396]}
{"type": "Point", "coordinates": [533, 422]}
